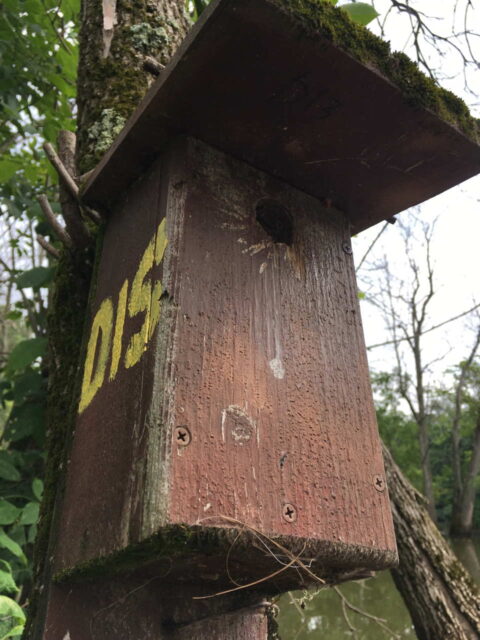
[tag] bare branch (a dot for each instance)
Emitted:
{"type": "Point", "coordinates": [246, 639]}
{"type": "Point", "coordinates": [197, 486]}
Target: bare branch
{"type": "Point", "coordinates": [50, 249]}
{"type": "Point", "coordinates": [54, 223]}
{"type": "Point", "coordinates": [437, 326]}
{"type": "Point", "coordinates": [68, 201]}
{"type": "Point", "coordinates": [153, 66]}
{"type": "Point", "coordinates": [380, 621]}
{"type": "Point", "coordinates": [60, 168]}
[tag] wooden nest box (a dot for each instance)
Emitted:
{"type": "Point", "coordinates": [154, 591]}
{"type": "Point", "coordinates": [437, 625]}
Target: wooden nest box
{"type": "Point", "coordinates": [226, 416]}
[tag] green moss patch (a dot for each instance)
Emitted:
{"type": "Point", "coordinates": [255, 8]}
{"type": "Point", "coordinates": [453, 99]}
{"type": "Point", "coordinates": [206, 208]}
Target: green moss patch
{"type": "Point", "coordinates": [320, 18]}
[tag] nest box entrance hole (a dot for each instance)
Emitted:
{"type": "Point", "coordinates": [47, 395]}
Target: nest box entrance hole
{"type": "Point", "coordinates": [275, 220]}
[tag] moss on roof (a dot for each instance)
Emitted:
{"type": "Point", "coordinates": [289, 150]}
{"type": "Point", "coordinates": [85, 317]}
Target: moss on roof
{"type": "Point", "coordinates": [319, 17]}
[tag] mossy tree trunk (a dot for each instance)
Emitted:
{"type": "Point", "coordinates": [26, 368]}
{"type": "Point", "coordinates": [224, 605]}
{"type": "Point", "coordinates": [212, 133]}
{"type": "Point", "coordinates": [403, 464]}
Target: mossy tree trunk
{"type": "Point", "coordinates": [115, 38]}
{"type": "Point", "coordinates": [442, 598]}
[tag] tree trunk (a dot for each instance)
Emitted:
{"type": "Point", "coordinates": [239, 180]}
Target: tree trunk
{"type": "Point", "coordinates": [442, 598]}
{"type": "Point", "coordinates": [426, 468]}
{"type": "Point", "coordinates": [462, 517]}
{"type": "Point", "coordinates": [115, 39]}
{"type": "Point", "coordinates": [422, 420]}
{"type": "Point", "coordinates": [464, 489]}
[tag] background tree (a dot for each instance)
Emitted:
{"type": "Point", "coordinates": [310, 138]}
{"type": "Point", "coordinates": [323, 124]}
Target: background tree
{"type": "Point", "coordinates": [404, 300]}
{"type": "Point", "coordinates": [466, 442]}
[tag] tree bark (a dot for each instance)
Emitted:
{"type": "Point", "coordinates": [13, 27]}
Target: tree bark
{"type": "Point", "coordinates": [464, 488]}
{"type": "Point", "coordinates": [115, 38]}
{"type": "Point", "coordinates": [442, 598]}
{"type": "Point", "coordinates": [462, 517]}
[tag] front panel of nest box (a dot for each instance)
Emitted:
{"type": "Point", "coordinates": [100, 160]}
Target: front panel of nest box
{"type": "Point", "coordinates": [226, 380]}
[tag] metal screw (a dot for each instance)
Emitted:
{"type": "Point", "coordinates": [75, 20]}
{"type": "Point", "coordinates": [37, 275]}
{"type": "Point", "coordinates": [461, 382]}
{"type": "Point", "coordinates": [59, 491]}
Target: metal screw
{"type": "Point", "coordinates": [379, 483]}
{"type": "Point", "coordinates": [182, 436]}
{"type": "Point", "coordinates": [347, 247]}
{"type": "Point", "coordinates": [289, 512]}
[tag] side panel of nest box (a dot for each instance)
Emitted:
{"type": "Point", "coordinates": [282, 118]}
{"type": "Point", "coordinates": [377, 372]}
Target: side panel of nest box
{"type": "Point", "coordinates": [226, 381]}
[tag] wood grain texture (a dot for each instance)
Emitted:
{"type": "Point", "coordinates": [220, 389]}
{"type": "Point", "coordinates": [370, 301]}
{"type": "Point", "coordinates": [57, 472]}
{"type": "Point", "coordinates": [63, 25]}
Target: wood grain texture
{"type": "Point", "coordinates": [259, 354]}
{"type": "Point", "coordinates": [271, 375]}
{"type": "Point", "coordinates": [254, 80]}
{"type": "Point", "coordinates": [135, 608]}
{"type": "Point", "coordinates": [246, 624]}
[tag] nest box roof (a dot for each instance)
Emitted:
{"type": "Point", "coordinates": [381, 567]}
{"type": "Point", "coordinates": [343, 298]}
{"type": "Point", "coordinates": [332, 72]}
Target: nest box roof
{"type": "Point", "coordinates": [295, 89]}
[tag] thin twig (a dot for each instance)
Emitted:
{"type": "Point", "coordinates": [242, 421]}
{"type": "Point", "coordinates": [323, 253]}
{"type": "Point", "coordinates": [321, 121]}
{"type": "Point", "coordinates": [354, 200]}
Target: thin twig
{"type": "Point", "coordinates": [69, 201]}
{"type": "Point", "coordinates": [288, 553]}
{"type": "Point", "coordinates": [371, 246]}
{"type": "Point", "coordinates": [436, 326]}
{"type": "Point", "coordinates": [293, 559]}
{"type": "Point", "coordinates": [293, 601]}
{"type": "Point", "coordinates": [66, 178]}
{"type": "Point", "coordinates": [153, 66]}
{"type": "Point", "coordinates": [365, 614]}
{"type": "Point", "coordinates": [43, 242]}
{"type": "Point", "coordinates": [94, 216]}
{"type": "Point", "coordinates": [353, 630]}
{"type": "Point", "coordinates": [255, 582]}
{"type": "Point", "coordinates": [53, 221]}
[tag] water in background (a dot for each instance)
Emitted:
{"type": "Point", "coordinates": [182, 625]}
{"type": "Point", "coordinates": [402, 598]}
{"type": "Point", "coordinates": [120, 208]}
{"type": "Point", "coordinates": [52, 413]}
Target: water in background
{"type": "Point", "coordinates": [322, 616]}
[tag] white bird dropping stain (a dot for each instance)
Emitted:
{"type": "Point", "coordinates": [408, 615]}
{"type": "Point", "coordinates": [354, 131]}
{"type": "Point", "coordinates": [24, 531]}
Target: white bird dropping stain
{"type": "Point", "coordinates": [278, 370]}
{"type": "Point", "coordinates": [67, 636]}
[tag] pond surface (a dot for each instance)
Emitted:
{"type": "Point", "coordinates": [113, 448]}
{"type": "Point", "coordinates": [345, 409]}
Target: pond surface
{"type": "Point", "coordinates": [319, 616]}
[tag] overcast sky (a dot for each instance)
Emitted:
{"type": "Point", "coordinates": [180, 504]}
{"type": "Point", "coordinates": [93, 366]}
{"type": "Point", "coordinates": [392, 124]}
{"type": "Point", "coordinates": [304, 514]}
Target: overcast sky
{"type": "Point", "coordinates": [456, 245]}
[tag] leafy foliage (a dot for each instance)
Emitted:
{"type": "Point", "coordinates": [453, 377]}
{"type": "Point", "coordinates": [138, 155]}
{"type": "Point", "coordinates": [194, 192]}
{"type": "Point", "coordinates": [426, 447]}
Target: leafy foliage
{"type": "Point", "coordinates": [360, 12]}
{"type": "Point", "coordinates": [38, 60]}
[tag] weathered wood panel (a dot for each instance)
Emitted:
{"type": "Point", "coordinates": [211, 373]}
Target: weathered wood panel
{"type": "Point", "coordinates": [257, 365]}
{"type": "Point", "coordinates": [271, 372]}
{"type": "Point", "coordinates": [101, 502]}
{"type": "Point", "coordinates": [139, 608]}
{"type": "Point", "coordinates": [258, 80]}
{"type": "Point", "coordinates": [246, 624]}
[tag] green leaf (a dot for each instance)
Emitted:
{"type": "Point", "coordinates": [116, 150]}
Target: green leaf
{"type": "Point", "coordinates": [8, 512]}
{"type": "Point", "coordinates": [30, 513]}
{"type": "Point", "coordinates": [7, 583]}
{"type": "Point", "coordinates": [10, 608]}
{"type": "Point", "coordinates": [37, 488]}
{"type": "Point", "coordinates": [25, 352]}
{"type": "Point", "coordinates": [18, 533]}
{"type": "Point", "coordinates": [16, 632]}
{"type": "Point", "coordinates": [360, 12]}
{"type": "Point", "coordinates": [7, 469]}
{"type": "Point", "coordinates": [7, 543]}
{"type": "Point", "coordinates": [12, 618]}
{"type": "Point", "coordinates": [32, 533]}
{"type": "Point", "coordinates": [35, 278]}
{"type": "Point", "coordinates": [8, 168]}
{"type": "Point", "coordinates": [361, 295]}
{"type": "Point", "coordinates": [25, 420]}
{"type": "Point", "coordinates": [29, 385]}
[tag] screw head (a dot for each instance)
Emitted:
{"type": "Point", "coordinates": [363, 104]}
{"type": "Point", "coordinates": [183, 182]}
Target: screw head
{"type": "Point", "coordinates": [347, 247]}
{"type": "Point", "coordinates": [379, 483]}
{"type": "Point", "coordinates": [182, 436]}
{"type": "Point", "coordinates": [289, 512]}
